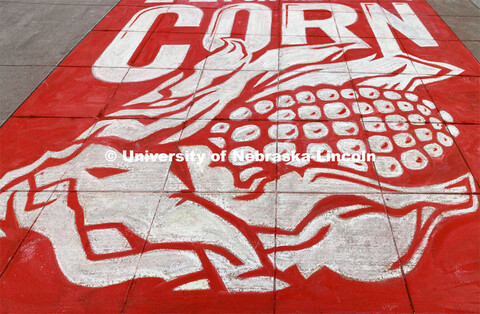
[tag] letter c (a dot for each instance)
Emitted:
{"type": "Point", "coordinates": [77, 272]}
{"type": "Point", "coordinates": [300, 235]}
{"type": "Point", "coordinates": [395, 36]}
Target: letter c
{"type": "Point", "coordinates": [112, 65]}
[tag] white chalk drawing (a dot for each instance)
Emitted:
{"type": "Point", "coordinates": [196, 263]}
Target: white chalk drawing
{"type": "Point", "coordinates": [98, 222]}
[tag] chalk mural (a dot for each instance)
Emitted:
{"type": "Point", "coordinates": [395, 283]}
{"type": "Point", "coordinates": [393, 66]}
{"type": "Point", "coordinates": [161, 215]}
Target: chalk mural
{"type": "Point", "coordinates": [242, 226]}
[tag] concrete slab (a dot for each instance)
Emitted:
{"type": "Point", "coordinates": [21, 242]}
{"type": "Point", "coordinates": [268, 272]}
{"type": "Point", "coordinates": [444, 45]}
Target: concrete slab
{"type": "Point", "coordinates": [474, 47]}
{"type": "Point", "coordinates": [465, 27]}
{"type": "Point", "coordinates": [16, 84]}
{"type": "Point", "coordinates": [43, 34]}
{"type": "Point", "coordinates": [455, 7]}
{"type": "Point", "coordinates": [35, 37]}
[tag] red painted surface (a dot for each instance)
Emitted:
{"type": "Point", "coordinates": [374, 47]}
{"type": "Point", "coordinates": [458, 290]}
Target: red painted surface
{"type": "Point", "coordinates": [71, 100]}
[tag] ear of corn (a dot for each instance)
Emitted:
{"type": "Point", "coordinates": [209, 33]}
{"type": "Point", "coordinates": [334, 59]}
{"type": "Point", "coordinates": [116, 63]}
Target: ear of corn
{"type": "Point", "coordinates": [405, 131]}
